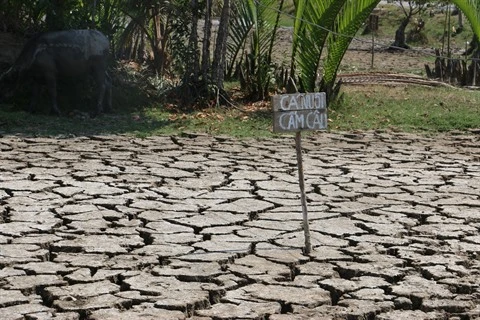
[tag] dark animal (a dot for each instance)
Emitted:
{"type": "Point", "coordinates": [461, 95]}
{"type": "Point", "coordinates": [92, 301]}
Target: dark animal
{"type": "Point", "coordinates": [52, 56]}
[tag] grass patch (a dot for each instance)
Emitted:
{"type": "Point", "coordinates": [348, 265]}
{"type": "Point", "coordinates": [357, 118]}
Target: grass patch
{"type": "Point", "coordinates": [404, 108]}
{"type": "Point", "coordinates": [19, 122]}
{"type": "Point", "coordinates": [152, 120]}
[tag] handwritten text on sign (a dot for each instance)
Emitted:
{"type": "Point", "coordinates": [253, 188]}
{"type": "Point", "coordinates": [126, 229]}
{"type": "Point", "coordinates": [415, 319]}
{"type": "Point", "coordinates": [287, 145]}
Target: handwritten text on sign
{"type": "Point", "coordinates": [299, 111]}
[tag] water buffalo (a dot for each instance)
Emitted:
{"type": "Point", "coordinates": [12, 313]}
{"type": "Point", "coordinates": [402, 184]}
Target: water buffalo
{"type": "Point", "coordinates": [49, 57]}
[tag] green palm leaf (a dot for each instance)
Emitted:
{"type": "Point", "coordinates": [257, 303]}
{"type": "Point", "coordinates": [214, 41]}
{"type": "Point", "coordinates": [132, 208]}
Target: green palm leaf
{"type": "Point", "coordinates": [313, 21]}
{"type": "Point", "coordinates": [471, 9]}
{"type": "Point", "coordinates": [253, 28]}
{"type": "Point", "coordinates": [240, 28]}
{"type": "Point", "coordinates": [351, 17]}
{"type": "Point", "coordinates": [348, 21]}
{"type": "Point", "coordinates": [253, 21]}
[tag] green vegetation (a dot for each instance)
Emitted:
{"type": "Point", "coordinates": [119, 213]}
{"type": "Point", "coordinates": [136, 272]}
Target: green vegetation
{"type": "Point", "coordinates": [150, 121]}
{"type": "Point", "coordinates": [406, 108]}
{"type": "Point", "coordinates": [403, 108]}
{"type": "Point", "coordinates": [172, 92]}
{"type": "Point", "coordinates": [434, 31]}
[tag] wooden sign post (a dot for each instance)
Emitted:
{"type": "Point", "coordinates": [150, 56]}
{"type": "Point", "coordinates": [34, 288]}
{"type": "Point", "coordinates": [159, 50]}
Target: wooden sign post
{"type": "Point", "coordinates": [296, 113]}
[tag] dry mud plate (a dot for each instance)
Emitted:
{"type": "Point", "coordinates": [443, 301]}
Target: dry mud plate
{"type": "Point", "coordinates": [200, 227]}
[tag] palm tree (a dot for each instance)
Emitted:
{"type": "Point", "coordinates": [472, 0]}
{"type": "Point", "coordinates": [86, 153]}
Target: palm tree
{"type": "Point", "coordinates": [320, 24]}
{"type": "Point", "coordinates": [347, 23]}
{"type": "Point", "coordinates": [251, 40]}
{"type": "Point", "coordinates": [471, 10]}
{"type": "Point", "coordinates": [332, 24]}
{"type": "Point", "coordinates": [148, 20]}
{"type": "Point", "coordinates": [313, 22]}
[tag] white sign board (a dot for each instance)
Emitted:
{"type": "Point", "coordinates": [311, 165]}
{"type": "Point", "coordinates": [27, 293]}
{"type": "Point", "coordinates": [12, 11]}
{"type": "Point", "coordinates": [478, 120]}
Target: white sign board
{"type": "Point", "coordinates": [299, 111]}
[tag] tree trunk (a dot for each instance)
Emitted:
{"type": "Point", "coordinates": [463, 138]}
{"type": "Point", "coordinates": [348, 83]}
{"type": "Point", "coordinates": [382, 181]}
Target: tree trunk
{"type": "Point", "coordinates": [399, 42]}
{"type": "Point", "coordinates": [460, 21]}
{"type": "Point", "coordinates": [411, 8]}
{"type": "Point", "coordinates": [55, 17]}
{"type": "Point", "coordinates": [218, 67]}
{"type": "Point", "coordinates": [191, 88]}
{"type": "Point", "coordinates": [193, 41]}
{"type": "Point", "coordinates": [156, 44]}
{"type": "Point", "coordinates": [207, 34]}
{"type": "Point", "coordinates": [94, 15]}
{"type": "Point", "coordinates": [473, 48]}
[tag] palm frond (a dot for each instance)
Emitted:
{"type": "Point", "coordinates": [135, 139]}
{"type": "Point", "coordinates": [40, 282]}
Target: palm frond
{"type": "Point", "coordinates": [252, 35]}
{"type": "Point", "coordinates": [471, 10]}
{"type": "Point", "coordinates": [347, 23]}
{"type": "Point", "coordinates": [313, 21]}
{"type": "Point", "coordinates": [240, 27]}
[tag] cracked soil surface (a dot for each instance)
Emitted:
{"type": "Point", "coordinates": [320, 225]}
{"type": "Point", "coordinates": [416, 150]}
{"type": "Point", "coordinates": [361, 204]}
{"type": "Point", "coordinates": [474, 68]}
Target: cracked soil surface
{"type": "Point", "coordinates": [201, 227]}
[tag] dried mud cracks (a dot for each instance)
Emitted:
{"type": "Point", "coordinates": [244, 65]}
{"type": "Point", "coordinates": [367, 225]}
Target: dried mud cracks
{"type": "Point", "coordinates": [199, 227]}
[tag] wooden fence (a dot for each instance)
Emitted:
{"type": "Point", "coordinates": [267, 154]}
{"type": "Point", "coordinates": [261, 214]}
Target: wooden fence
{"type": "Point", "coordinates": [459, 72]}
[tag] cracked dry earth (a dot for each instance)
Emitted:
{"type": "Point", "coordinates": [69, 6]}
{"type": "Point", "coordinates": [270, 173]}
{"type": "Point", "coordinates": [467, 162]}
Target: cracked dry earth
{"type": "Point", "coordinates": [200, 227]}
